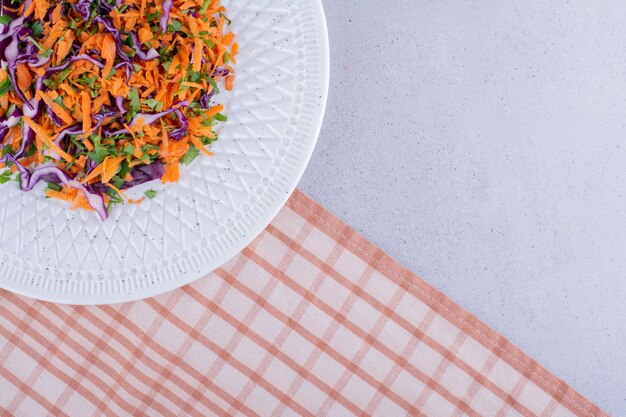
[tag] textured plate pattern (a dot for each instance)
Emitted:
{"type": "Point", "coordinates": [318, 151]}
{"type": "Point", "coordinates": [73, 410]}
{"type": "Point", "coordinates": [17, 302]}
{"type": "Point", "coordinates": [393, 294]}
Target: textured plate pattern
{"type": "Point", "coordinates": [220, 204]}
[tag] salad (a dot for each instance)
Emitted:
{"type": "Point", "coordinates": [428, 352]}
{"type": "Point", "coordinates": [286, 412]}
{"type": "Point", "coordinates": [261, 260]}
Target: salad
{"type": "Point", "coordinates": [98, 96]}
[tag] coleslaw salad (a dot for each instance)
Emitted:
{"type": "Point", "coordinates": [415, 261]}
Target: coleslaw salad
{"type": "Point", "coordinates": [98, 96]}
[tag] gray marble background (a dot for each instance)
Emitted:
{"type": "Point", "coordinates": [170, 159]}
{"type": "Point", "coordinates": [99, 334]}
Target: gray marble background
{"type": "Point", "coordinates": [483, 145]}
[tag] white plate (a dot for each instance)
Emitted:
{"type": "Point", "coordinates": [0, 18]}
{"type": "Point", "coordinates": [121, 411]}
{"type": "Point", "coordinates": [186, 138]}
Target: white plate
{"type": "Point", "coordinates": [221, 203]}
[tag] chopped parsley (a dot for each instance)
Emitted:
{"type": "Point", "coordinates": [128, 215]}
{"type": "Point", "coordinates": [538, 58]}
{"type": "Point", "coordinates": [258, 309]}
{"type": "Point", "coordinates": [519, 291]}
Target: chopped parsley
{"type": "Point", "coordinates": [5, 87]}
{"type": "Point", "coordinates": [5, 176]}
{"type": "Point", "coordinates": [191, 154]}
{"type": "Point", "coordinates": [55, 187]}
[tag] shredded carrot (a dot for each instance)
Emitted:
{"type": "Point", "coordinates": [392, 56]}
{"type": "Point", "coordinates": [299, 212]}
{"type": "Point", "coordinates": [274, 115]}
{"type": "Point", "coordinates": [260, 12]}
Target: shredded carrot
{"type": "Point", "coordinates": [43, 136]}
{"type": "Point", "coordinates": [145, 34]}
{"type": "Point", "coordinates": [148, 91]}
{"type": "Point", "coordinates": [59, 194]}
{"type": "Point", "coordinates": [108, 53]}
{"type": "Point", "coordinates": [85, 103]}
{"type": "Point", "coordinates": [220, 27]}
{"type": "Point", "coordinates": [56, 13]}
{"type": "Point", "coordinates": [193, 27]}
{"type": "Point", "coordinates": [30, 9]}
{"type": "Point", "coordinates": [214, 110]}
{"type": "Point", "coordinates": [110, 167]}
{"type": "Point", "coordinates": [228, 39]}
{"type": "Point", "coordinates": [4, 99]}
{"type": "Point", "coordinates": [234, 51]}
{"type": "Point", "coordinates": [109, 164]}
{"type": "Point", "coordinates": [71, 195]}
{"type": "Point", "coordinates": [65, 45]}
{"type": "Point", "coordinates": [172, 173]}
{"type": "Point", "coordinates": [24, 77]}
{"type": "Point", "coordinates": [41, 8]}
{"type": "Point", "coordinates": [197, 54]}
{"type": "Point", "coordinates": [16, 134]}
{"type": "Point", "coordinates": [228, 82]}
{"type": "Point", "coordinates": [55, 32]}
{"type": "Point", "coordinates": [56, 108]}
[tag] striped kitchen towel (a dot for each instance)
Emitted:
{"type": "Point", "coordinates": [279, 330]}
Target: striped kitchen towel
{"type": "Point", "coordinates": [310, 320]}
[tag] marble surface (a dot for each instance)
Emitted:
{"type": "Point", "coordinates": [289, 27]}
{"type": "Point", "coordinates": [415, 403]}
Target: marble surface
{"type": "Point", "coordinates": [483, 145]}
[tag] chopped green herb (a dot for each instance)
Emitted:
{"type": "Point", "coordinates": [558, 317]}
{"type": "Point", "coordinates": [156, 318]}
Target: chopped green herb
{"type": "Point", "coordinates": [128, 150]}
{"type": "Point", "coordinates": [225, 18]}
{"type": "Point", "coordinates": [5, 20]}
{"type": "Point", "coordinates": [113, 194]}
{"type": "Point", "coordinates": [5, 87]}
{"type": "Point", "coordinates": [46, 53]}
{"type": "Point", "coordinates": [129, 115]}
{"type": "Point", "coordinates": [50, 83]}
{"type": "Point", "coordinates": [194, 77]}
{"type": "Point", "coordinates": [30, 151]}
{"type": "Point", "coordinates": [191, 154]}
{"type": "Point", "coordinates": [59, 101]}
{"type": "Point", "coordinates": [155, 105]}
{"type": "Point", "coordinates": [5, 176]}
{"type": "Point", "coordinates": [88, 80]}
{"type": "Point", "coordinates": [7, 149]}
{"type": "Point", "coordinates": [34, 42]}
{"type": "Point", "coordinates": [77, 143]}
{"type": "Point", "coordinates": [99, 152]}
{"type": "Point", "coordinates": [149, 147]}
{"type": "Point", "coordinates": [115, 198]}
{"type": "Point", "coordinates": [65, 74]}
{"type": "Point", "coordinates": [205, 5]}
{"type": "Point", "coordinates": [135, 103]}
{"type": "Point", "coordinates": [55, 187]}
{"type": "Point", "coordinates": [220, 117]}
{"type": "Point", "coordinates": [213, 84]}
{"type": "Point", "coordinates": [11, 109]}
{"type": "Point", "coordinates": [37, 28]}
{"type": "Point", "coordinates": [117, 181]}
{"type": "Point", "coordinates": [150, 194]}
{"type": "Point", "coordinates": [175, 26]}
{"type": "Point", "coordinates": [124, 169]}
